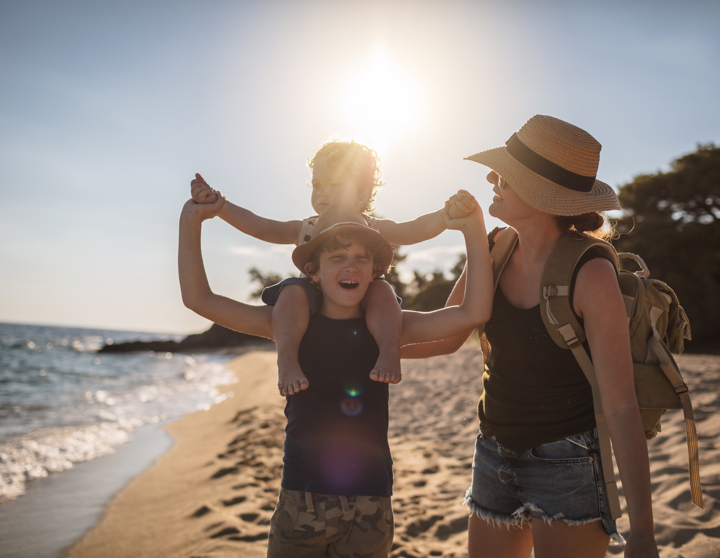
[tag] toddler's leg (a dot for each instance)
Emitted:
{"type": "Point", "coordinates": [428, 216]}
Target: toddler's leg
{"type": "Point", "coordinates": [384, 320]}
{"type": "Point", "coordinates": [290, 319]}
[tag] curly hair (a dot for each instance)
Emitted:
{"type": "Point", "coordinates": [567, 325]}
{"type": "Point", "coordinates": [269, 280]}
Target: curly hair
{"type": "Point", "coordinates": [593, 223]}
{"type": "Point", "coordinates": [359, 160]}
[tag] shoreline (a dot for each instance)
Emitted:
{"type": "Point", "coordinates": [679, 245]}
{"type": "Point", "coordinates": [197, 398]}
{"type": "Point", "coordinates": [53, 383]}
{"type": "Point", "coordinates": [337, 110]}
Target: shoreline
{"type": "Point", "coordinates": [70, 503]}
{"type": "Point", "coordinates": [214, 491]}
{"type": "Point", "coordinates": [156, 505]}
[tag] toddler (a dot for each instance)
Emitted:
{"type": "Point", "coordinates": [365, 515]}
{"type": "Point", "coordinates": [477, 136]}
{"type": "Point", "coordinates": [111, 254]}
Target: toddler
{"type": "Point", "coordinates": [345, 173]}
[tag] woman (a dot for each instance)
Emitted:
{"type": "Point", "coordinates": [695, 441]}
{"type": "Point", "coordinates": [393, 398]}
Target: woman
{"type": "Point", "coordinates": [537, 477]}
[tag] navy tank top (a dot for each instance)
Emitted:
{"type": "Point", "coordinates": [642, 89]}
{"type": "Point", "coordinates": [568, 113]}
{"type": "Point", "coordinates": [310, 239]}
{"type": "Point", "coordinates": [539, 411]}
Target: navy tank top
{"type": "Point", "coordinates": [336, 435]}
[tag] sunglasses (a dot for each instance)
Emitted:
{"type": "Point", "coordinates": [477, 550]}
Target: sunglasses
{"type": "Point", "coordinates": [501, 182]}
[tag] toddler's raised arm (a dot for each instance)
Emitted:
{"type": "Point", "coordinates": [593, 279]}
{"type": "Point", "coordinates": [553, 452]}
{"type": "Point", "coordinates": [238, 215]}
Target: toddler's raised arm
{"type": "Point", "coordinates": [429, 225]}
{"type": "Point", "coordinates": [244, 220]}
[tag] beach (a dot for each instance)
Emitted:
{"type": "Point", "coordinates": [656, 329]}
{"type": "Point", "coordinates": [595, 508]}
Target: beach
{"type": "Point", "coordinates": [213, 493]}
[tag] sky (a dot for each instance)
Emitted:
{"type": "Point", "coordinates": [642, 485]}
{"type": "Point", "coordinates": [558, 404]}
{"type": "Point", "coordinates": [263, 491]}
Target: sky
{"type": "Point", "coordinates": [107, 109]}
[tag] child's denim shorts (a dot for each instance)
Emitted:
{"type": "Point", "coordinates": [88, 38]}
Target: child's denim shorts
{"type": "Point", "coordinates": [271, 294]}
{"type": "Point", "coordinates": [557, 481]}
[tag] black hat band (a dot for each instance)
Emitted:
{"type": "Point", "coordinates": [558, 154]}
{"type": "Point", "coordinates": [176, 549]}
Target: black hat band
{"type": "Point", "coordinates": [547, 169]}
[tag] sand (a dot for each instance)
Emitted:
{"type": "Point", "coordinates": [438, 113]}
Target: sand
{"type": "Point", "coordinates": [214, 491]}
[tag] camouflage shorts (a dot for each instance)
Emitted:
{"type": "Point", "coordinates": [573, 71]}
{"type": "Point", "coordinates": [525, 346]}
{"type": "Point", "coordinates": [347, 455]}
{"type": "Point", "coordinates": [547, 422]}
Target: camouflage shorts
{"type": "Point", "coordinates": [308, 525]}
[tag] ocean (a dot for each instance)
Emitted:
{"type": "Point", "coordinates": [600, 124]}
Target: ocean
{"type": "Point", "coordinates": [62, 403]}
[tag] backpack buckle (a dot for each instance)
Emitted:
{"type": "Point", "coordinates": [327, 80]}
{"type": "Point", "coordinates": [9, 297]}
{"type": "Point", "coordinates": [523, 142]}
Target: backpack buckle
{"type": "Point", "coordinates": [550, 291]}
{"type": "Point", "coordinates": [680, 390]}
{"type": "Point", "coordinates": [569, 335]}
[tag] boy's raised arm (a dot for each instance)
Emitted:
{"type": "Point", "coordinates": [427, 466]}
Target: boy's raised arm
{"type": "Point", "coordinates": [476, 305]}
{"type": "Point", "coordinates": [449, 344]}
{"type": "Point", "coordinates": [244, 220]}
{"type": "Point", "coordinates": [194, 286]}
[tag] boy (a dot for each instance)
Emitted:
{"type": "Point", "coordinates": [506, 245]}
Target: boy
{"type": "Point", "coordinates": [337, 473]}
{"type": "Point", "coordinates": [347, 174]}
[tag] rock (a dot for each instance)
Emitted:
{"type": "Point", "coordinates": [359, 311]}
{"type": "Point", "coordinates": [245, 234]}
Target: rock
{"type": "Point", "coordinates": [215, 338]}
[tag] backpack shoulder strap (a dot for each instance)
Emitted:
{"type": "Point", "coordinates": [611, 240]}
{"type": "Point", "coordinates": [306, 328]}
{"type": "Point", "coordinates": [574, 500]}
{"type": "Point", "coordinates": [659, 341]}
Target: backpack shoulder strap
{"type": "Point", "coordinates": [565, 330]}
{"type": "Point", "coordinates": [500, 254]}
{"type": "Point", "coordinates": [555, 306]}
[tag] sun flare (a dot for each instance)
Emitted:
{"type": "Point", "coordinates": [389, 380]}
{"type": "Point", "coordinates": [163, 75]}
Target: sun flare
{"type": "Point", "coordinates": [380, 101]}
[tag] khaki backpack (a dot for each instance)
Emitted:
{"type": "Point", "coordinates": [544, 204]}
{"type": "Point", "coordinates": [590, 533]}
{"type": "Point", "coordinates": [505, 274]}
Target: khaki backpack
{"type": "Point", "coordinates": [658, 326]}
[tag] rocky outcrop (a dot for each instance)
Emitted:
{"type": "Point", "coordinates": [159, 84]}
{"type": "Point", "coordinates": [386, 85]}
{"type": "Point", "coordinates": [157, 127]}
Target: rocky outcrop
{"type": "Point", "coordinates": [215, 338]}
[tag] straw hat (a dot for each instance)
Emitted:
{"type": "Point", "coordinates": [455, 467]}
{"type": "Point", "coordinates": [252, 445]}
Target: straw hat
{"type": "Point", "coordinates": [337, 219]}
{"type": "Point", "coordinates": [552, 166]}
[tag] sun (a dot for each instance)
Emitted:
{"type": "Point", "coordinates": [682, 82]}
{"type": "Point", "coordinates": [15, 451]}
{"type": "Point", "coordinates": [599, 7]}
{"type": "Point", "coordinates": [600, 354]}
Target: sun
{"type": "Point", "coordinates": [380, 101]}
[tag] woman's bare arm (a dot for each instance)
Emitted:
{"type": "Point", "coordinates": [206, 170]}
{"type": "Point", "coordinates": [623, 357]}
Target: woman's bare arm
{"type": "Point", "coordinates": [599, 302]}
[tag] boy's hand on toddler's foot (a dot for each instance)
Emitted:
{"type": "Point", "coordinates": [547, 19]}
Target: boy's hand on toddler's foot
{"type": "Point", "coordinates": [201, 191]}
{"type": "Point", "coordinates": [291, 379]}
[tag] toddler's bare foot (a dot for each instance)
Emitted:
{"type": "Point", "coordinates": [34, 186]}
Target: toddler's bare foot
{"type": "Point", "coordinates": [387, 369]}
{"type": "Point", "coordinates": [291, 379]}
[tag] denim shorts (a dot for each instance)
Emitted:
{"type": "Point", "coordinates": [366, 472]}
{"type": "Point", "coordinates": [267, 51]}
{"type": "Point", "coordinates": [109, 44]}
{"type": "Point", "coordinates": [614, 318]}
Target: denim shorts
{"type": "Point", "coordinates": [271, 294]}
{"type": "Point", "coordinates": [557, 481]}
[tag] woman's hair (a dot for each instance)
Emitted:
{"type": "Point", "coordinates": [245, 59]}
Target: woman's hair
{"type": "Point", "coordinates": [593, 223]}
{"type": "Point", "coordinates": [343, 239]}
{"type": "Point", "coordinates": [359, 160]}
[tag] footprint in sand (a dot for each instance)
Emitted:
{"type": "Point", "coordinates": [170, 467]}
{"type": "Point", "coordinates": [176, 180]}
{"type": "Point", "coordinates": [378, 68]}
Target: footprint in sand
{"type": "Point", "coordinates": [234, 501]}
{"type": "Point", "coordinates": [225, 471]}
{"type": "Point", "coordinates": [419, 526]}
{"type": "Point", "coordinates": [226, 532]}
{"type": "Point", "coordinates": [446, 529]}
{"type": "Point", "coordinates": [201, 511]}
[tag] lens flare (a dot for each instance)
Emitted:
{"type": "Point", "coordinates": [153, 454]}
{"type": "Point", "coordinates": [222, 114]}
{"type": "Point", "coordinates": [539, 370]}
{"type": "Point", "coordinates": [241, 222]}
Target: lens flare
{"type": "Point", "coordinates": [351, 406]}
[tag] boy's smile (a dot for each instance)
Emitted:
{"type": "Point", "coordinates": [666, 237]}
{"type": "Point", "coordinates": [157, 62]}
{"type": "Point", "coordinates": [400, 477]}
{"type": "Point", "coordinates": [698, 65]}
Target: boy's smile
{"type": "Point", "coordinates": [344, 275]}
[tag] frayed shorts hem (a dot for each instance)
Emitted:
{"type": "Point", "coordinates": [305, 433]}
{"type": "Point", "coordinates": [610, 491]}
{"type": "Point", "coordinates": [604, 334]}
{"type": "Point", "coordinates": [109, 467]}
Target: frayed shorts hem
{"type": "Point", "coordinates": [524, 516]}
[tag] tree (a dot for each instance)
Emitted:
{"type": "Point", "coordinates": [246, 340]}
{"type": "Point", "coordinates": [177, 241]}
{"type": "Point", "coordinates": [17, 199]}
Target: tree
{"type": "Point", "coordinates": [672, 220]}
{"type": "Point", "coordinates": [431, 291]}
{"type": "Point", "coordinates": [264, 279]}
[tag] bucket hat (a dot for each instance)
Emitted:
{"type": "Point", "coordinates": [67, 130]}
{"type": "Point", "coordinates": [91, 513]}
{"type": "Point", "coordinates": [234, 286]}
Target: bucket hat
{"type": "Point", "coordinates": [552, 165]}
{"type": "Point", "coordinates": [337, 219]}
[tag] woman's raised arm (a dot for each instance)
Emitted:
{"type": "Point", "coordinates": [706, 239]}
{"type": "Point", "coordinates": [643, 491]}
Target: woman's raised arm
{"type": "Point", "coordinates": [475, 306]}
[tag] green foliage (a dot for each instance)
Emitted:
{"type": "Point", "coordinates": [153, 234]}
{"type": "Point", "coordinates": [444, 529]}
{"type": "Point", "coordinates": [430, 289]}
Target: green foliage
{"type": "Point", "coordinates": [672, 220]}
{"type": "Point", "coordinates": [264, 279]}
{"type": "Point", "coordinates": [430, 292]}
